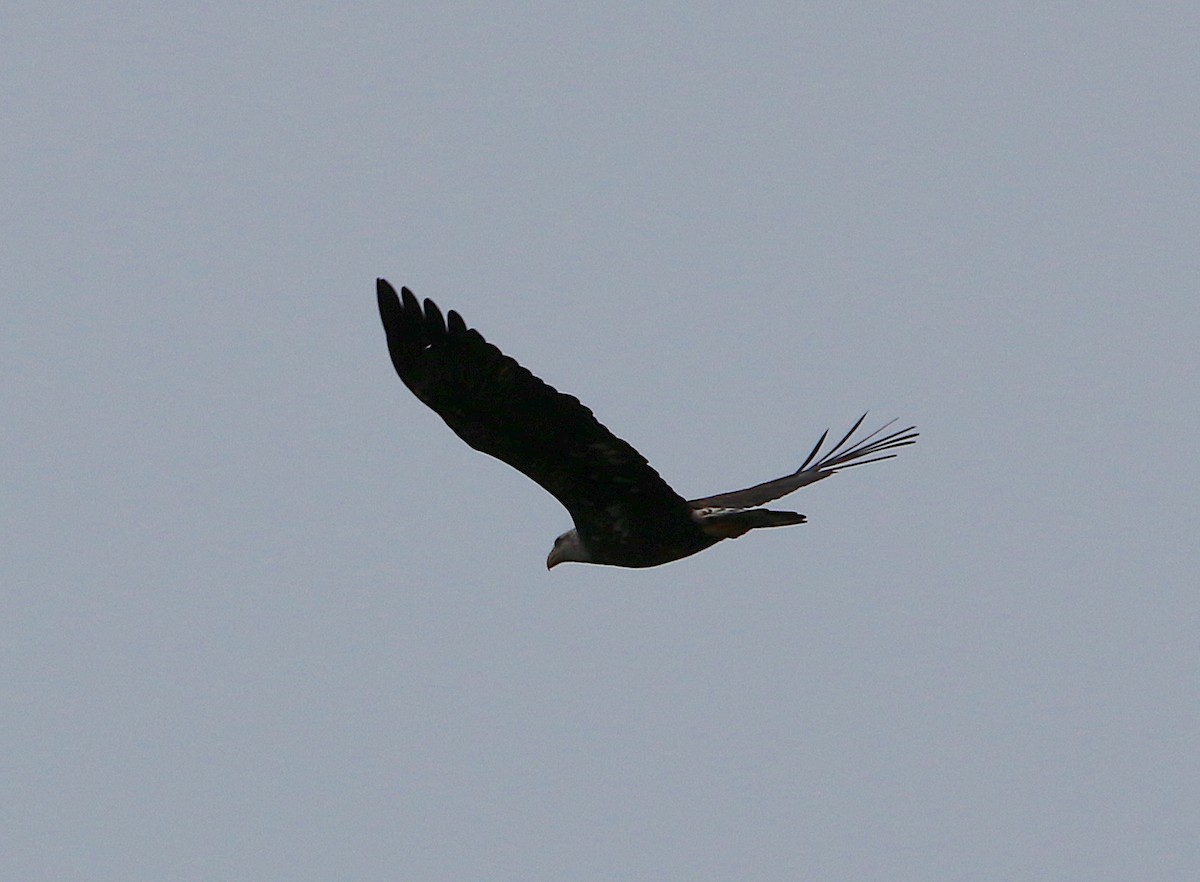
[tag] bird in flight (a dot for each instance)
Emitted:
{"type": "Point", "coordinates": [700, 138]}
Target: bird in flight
{"type": "Point", "coordinates": [625, 515]}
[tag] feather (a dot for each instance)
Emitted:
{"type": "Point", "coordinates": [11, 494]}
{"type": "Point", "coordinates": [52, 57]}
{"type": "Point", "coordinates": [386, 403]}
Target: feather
{"type": "Point", "coordinates": [831, 462]}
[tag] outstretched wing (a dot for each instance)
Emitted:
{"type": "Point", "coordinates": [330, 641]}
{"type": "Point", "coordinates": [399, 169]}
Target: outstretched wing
{"type": "Point", "coordinates": [838, 457]}
{"type": "Point", "coordinates": [503, 410]}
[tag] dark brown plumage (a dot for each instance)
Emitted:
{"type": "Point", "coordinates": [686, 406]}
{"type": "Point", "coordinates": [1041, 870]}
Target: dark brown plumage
{"type": "Point", "coordinates": [625, 514]}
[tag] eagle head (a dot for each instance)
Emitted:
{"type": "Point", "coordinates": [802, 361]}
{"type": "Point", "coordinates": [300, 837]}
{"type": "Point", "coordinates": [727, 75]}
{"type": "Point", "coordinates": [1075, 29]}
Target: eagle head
{"type": "Point", "coordinates": [567, 547]}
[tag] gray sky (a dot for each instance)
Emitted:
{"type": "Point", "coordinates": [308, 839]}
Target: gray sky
{"type": "Point", "coordinates": [265, 617]}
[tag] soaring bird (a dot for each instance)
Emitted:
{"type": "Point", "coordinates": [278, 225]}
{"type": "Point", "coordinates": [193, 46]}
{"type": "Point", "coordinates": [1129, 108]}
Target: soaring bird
{"type": "Point", "coordinates": [625, 515]}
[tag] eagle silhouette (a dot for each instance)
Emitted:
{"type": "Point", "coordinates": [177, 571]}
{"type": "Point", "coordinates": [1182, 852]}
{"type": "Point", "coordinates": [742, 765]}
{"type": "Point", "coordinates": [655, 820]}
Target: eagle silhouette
{"type": "Point", "coordinates": [625, 514]}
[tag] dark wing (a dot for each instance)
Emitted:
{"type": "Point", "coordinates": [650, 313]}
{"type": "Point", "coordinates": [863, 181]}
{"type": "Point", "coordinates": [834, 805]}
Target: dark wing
{"type": "Point", "coordinates": [835, 459]}
{"type": "Point", "coordinates": [503, 410]}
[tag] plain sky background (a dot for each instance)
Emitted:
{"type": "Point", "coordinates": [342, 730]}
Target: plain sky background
{"type": "Point", "coordinates": [264, 617]}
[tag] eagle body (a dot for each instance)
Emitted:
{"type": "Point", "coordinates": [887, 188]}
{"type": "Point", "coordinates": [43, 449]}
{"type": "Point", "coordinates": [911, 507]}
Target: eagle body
{"type": "Point", "coordinates": [624, 513]}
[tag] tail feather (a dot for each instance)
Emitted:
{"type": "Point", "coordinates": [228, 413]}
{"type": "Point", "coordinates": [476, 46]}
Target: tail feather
{"type": "Point", "coordinates": [731, 524]}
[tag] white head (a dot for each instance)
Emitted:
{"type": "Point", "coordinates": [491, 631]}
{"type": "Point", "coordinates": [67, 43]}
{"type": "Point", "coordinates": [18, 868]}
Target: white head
{"type": "Point", "coordinates": [568, 547]}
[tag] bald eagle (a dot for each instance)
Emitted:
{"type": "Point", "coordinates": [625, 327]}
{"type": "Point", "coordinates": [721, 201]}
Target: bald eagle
{"type": "Point", "coordinates": [625, 515]}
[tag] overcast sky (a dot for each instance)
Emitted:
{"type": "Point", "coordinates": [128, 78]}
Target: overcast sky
{"type": "Point", "coordinates": [264, 617]}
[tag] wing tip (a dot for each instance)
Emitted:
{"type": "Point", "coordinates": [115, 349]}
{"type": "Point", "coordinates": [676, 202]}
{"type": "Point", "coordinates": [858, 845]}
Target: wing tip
{"type": "Point", "coordinates": [425, 313]}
